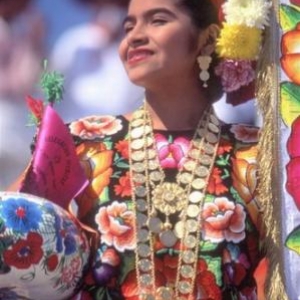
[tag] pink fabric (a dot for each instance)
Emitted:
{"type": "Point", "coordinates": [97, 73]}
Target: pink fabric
{"type": "Point", "coordinates": [55, 172]}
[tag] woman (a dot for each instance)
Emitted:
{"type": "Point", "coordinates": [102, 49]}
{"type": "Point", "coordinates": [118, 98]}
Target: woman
{"type": "Point", "coordinates": [155, 172]}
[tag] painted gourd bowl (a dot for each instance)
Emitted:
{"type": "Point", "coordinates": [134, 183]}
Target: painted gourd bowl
{"type": "Point", "coordinates": [43, 251]}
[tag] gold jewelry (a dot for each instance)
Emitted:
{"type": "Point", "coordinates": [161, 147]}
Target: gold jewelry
{"type": "Point", "coordinates": [153, 197]}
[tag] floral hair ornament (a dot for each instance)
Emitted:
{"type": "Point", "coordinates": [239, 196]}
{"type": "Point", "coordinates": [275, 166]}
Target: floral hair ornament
{"type": "Point", "coordinates": [239, 45]}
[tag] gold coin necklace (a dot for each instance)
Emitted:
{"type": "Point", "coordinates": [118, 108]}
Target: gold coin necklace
{"type": "Point", "coordinates": [154, 197]}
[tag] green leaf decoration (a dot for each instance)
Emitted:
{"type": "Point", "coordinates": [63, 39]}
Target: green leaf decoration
{"type": "Point", "coordinates": [104, 197]}
{"type": "Point", "coordinates": [214, 265]}
{"type": "Point", "coordinates": [52, 84]}
{"type": "Point", "coordinates": [289, 102]}
{"type": "Point", "coordinates": [207, 246]}
{"type": "Point", "coordinates": [293, 240]}
{"type": "Point", "coordinates": [289, 17]}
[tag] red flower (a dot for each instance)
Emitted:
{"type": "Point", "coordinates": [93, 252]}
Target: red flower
{"type": "Point", "coordinates": [25, 253]}
{"type": "Point", "coordinates": [36, 106]}
{"type": "Point", "coordinates": [223, 220]}
{"type": "Point", "coordinates": [96, 126]}
{"type": "Point", "coordinates": [51, 262]}
{"type": "Point", "coordinates": [224, 147]}
{"type": "Point", "coordinates": [116, 225]}
{"type": "Point", "coordinates": [122, 147]}
{"type": "Point", "coordinates": [215, 184]}
{"type": "Point", "coordinates": [124, 188]}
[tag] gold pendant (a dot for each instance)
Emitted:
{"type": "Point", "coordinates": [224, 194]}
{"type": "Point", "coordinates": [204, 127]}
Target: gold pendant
{"type": "Point", "coordinates": [169, 198]}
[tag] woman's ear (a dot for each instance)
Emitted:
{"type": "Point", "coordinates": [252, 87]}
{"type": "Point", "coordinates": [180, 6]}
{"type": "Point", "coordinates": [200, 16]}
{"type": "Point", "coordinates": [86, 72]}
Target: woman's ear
{"type": "Point", "coordinates": [207, 39]}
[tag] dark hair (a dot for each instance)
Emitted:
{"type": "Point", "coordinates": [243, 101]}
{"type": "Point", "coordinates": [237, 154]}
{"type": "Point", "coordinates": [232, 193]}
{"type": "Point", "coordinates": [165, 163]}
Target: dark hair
{"type": "Point", "coordinates": [203, 13]}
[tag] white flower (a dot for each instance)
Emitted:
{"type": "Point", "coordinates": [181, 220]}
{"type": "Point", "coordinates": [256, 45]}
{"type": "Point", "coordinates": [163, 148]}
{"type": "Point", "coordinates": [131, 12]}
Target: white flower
{"type": "Point", "coordinates": [252, 13]}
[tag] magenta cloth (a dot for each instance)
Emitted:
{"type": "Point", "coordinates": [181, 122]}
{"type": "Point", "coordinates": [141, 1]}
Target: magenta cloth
{"type": "Point", "coordinates": [55, 172]}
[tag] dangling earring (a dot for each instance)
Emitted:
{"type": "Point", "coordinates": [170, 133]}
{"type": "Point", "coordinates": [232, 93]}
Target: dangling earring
{"type": "Point", "coordinates": [204, 62]}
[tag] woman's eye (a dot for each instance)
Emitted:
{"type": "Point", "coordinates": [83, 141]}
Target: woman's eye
{"type": "Point", "coordinates": [159, 21]}
{"type": "Point", "coordinates": [128, 28]}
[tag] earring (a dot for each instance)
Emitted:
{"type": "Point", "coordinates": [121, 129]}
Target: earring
{"type": "Point", "coordinates": [204, 62]}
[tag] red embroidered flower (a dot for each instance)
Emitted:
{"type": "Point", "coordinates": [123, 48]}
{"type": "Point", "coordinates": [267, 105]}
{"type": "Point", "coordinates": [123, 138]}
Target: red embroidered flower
{"type": "Point", "coordinates": [122, 147]}
{"type": "Point", "coordinates": [25, 253]}
{"type": "Point", "coordinates": [116, 225]}
{"type": "Point", "coordinates": [205, 283]}
{"type": "Point", "coordinates": [171, 155]}
{"type": "Point", "coordinates": [215, 183]}
{"type": "Point", "coordinates": [111, 257]}
{"type": "Point", "coordinates": [224, 147]}
{"type": "Point", "coordinates": [96, 126]}
{"type": "Point", "coordinates": [223, 220]}
{"type": "Point", "coordinates": [124, 188]}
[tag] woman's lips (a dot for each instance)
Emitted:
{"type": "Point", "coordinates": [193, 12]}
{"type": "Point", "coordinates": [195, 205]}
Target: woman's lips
{"type": "Point", "coordinates": [135, 56]}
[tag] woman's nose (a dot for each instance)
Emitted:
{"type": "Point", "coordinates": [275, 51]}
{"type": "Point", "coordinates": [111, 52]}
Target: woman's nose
{"type": "Point", "coordinates": [137, 36]}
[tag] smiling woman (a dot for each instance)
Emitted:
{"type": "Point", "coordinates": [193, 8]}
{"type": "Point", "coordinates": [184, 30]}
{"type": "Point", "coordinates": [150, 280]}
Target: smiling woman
{"type": "Point", "coordinates": [171, 194]}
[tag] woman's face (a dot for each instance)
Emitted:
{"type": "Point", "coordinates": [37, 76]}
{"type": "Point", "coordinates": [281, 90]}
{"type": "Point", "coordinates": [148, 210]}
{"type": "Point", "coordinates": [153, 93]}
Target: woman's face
{"type": "Point", "coordinates": [160, 42]}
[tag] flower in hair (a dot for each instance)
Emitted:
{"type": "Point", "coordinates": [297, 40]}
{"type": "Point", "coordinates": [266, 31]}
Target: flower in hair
{"type": "Point", "coordinates": [235, 74]}
{"type": "Point", "coordinates": [252, 13]}
{"type": "Point", "coordinates": [239, 42]}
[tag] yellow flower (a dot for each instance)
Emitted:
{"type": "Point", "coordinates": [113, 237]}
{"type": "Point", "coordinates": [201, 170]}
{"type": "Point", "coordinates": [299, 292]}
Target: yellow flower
{"type": "Point", "coordinates": [239, 42]}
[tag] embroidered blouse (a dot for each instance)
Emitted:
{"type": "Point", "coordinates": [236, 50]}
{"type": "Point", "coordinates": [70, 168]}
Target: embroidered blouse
{"type": "Point", "coordinates": [229, 245]}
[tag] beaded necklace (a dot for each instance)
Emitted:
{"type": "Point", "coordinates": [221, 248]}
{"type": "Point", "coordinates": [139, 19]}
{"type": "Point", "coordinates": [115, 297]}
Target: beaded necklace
{"type": "Point", "coordinates": [154, 197]}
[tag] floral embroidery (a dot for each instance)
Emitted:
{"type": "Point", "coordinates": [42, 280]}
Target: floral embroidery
{"type": "Point", "coordinates": [223, 220]}
{"type": "Point", "coordinates": [215, 184]}
{"type": "Point", "coordinates": [115, 223]}
{"type": "Point", "coordinates": [229, 246]}
{"type": "Point", "coordinates": [123, 189]}
{"type": "Point", "coordinates": [95, 126]}
{"type": "Point", "coordinates": [245, 134]}
{"type": "Point", "coordinates": [224, 147]}
{"type": "Point", "coordinates": [96, 161]}
{"type": "Point", "coordinates": [111, 257]}
{"type": "Point", "coordinates": [236, 265]}
{"type": "Point", "coordinates": [123, 148]}
{"type": "Point", "coordinates": [171, 155]}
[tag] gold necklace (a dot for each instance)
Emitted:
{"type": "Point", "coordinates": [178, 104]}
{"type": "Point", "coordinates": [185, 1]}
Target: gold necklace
{"type": "Point", "coordinates": [152, 195]}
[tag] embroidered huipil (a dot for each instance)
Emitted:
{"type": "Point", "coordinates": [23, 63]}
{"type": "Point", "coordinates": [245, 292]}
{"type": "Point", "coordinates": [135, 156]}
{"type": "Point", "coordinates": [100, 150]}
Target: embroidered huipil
{"type": "Point", "coordinates": [229, 245]}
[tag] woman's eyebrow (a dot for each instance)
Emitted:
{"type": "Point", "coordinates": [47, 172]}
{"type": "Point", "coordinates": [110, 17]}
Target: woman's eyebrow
{"type": "Point", "coordinates": [150, 13]}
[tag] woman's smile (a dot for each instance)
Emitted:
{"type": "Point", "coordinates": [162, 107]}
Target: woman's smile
{"type": "Point", "coordinates": [138, 55]}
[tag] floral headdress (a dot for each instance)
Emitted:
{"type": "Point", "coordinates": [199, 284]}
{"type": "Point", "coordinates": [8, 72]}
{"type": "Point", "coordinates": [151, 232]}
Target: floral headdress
{"type": "Point", "coordinates": [239, 45]}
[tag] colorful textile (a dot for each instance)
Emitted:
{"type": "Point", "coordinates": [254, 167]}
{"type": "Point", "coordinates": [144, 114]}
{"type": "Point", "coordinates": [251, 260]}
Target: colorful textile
{"type": "Point", "coordinates": [229, 251]}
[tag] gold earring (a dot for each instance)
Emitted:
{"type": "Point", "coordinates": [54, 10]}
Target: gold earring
{"type": "Point", "coordinates": [204, 62]}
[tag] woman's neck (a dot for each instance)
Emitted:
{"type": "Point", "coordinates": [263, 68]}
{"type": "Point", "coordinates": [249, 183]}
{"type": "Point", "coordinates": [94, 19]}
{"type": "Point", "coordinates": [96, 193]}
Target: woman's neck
{"type": "Point", "coordinates": [175, 109]}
